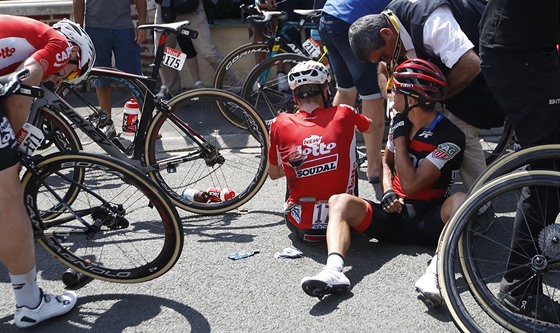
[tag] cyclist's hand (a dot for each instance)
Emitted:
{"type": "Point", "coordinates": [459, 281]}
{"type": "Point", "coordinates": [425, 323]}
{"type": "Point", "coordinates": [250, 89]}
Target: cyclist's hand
{"type": "Point", "coordinates": [391, 202]}
{"type": "Point", "coordinates": [400, 126]}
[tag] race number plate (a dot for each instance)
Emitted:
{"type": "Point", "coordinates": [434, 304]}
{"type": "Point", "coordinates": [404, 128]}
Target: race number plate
{"type": "Point", "coordinates": [320, 215]}
{"type": "Point", "coordinates": [174, 58]}
{"type": "Point", "coordinates": [312, 47]}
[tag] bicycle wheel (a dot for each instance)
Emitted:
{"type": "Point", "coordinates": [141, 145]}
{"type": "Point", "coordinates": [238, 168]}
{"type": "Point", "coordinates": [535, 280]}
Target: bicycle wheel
{"type": "Point", "coordinates": [476, 263]}
{"type": "Point", "coordinates": [517, 160]}
{"type": "Point", "coordinates": [262, 91]}
{"type": "Point", "coordinates": [83, 98]}
{"type": "Point", "coordinates": [59, 136]}
{"type": "Point", "coordinates": [496, 142]}
{"type": "Point", "coordinates": [120, 228]}
{"type": "Point", "coordinates": [235, 67]}
{"type": "Point", "coordinates": [194, 146]}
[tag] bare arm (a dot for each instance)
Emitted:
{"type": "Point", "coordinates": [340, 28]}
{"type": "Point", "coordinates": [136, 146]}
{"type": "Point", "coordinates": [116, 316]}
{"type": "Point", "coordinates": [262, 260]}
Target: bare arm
{"type": "Point", "coordinates": [275, 171]}
{"type": "Point", "coordinates": [17, 106]}
{"type": "Point", "coordinates": [79, 10]}
{"type": "Point", "coordinates": [463, 73]}
{"type": "Point", "coordinates": [141, 8]}
{"type": "Point", "coordinates": [413, 178]}
{"type": "Point", "coordinates": [388, 164]}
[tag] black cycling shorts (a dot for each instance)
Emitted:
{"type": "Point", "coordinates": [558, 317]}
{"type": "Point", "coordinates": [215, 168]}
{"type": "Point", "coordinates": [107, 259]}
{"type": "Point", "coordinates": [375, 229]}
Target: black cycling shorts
{"type": "Point", "coordinates": [9, 154]}
{"type": "Point", "coordinates": [419, 224]}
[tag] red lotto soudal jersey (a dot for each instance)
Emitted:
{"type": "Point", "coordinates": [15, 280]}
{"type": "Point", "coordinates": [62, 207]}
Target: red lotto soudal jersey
{"type": "Point", "coordinates": [22, 38]}
{"type": "Point", "coordinates": [317, 151]}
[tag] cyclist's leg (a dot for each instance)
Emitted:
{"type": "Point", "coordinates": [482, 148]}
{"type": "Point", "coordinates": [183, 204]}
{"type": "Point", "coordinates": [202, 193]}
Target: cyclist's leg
{"type": "Point", "coordinates": [17, 249]}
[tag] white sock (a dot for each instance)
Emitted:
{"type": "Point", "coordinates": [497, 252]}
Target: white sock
{"type": "Point", "coordinates": [335, 261]}
{"type": "Point", "coordinates": [26, 290]}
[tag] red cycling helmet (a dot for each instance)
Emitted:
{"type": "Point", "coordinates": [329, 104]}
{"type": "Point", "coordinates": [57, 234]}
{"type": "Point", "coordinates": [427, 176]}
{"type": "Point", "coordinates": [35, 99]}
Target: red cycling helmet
{"type": "Point", "coordinates": [422, 80]}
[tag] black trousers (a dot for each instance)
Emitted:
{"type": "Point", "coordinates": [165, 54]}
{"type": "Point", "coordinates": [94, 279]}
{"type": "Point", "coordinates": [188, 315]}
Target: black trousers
{"type": "Point", "coordinates": [527, 87]}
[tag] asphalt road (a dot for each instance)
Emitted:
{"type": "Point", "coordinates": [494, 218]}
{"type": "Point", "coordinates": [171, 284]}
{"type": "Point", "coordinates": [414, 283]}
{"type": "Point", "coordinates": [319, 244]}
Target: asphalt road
{"type": "Point", "coordinates": [207, 292]}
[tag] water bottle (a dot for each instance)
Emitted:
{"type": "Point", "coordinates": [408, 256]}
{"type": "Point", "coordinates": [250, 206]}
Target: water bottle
{"type": "Point", "coordinates": [220, 194]}
{"type": "Point", "coordinates": [196, 195]}
{"type": "Point", "coordinates": [131, 113]}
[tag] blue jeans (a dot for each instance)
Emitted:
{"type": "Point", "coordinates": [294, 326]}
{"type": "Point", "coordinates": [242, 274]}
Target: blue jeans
{"type": "Point", "coordinates": [119, 42]}
{"type": "Point", "coordinates": [348, 70]}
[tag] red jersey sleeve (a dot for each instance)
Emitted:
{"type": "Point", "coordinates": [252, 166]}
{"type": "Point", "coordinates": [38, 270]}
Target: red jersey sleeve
{"type": "Point", "coordinates": [22, 38]}
{"type": "Point", "coordinates": [360, 120]}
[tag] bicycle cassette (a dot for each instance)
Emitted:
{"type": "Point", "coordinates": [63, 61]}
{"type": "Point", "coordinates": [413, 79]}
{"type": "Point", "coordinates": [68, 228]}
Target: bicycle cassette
{"type": "Point", "coordinates": [549, 241]}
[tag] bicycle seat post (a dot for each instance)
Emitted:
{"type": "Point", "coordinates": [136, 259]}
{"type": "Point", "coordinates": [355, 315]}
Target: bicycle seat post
{"type": "Point", "coordinates": [159, 55]}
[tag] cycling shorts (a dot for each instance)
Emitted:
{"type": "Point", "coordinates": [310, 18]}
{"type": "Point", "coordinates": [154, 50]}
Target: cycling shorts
{"type": "Point", "coordinates": [418, 224]}
{"type": "Point", "coordinates": [9, 153]}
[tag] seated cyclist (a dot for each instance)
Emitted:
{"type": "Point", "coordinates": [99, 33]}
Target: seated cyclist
{"type": "Point", "coordinates": [423, 154]}
{"type": "Point", "coordinates": [61, 52]}
{"type": "Point", "coordinates": [315, 148]}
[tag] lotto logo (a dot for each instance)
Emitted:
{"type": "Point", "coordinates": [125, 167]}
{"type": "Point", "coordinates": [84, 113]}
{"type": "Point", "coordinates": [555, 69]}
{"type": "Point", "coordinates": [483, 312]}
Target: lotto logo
{"type": "Point", "coordinates": [7, 52]}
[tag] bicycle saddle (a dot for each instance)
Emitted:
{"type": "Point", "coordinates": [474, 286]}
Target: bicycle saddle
{"type": "Point", "coordinates": [174, 27]}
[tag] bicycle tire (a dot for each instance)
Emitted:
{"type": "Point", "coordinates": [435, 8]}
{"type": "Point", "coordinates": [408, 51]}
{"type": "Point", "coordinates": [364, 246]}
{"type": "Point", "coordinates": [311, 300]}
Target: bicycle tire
{"type": "Point", "coordinates": [59, 136]}
{"type": "Point", "coordinates": [58, 132]}
{"type": "Point", "coordinates": [237, 156]}
{"type": "Point", "coordinates": [237, 64]}
{"type": "Point", "coordinates": [140, 235]}
{"type": "Point", "coordinates": [482, 257]}
{"type": "Point", "coordinates": [495, 142]}
{"type": "Point", "coordinates": [265, 96]}
{"type": "Point", "coordinates": [517, 160]}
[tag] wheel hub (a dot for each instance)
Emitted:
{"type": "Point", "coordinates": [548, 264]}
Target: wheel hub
{"type": "Point", "coordinates": [549, 241]}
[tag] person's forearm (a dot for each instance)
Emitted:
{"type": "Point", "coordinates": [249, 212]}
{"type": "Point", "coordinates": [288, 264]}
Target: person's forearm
{"type": "Point", "coordinates": [463, 73]}
{"type": "Point", "coordinates": [78, 8]}
{"type": "Point", "coordinates": [141, 8]}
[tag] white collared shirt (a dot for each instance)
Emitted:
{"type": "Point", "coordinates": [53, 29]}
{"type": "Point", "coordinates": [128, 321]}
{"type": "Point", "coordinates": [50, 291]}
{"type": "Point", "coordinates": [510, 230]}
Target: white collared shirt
{"type": "Point", "coordinates": [443, 38]}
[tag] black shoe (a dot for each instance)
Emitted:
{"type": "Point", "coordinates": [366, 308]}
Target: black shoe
{"type": "Point", "coordinates": [540, 307]}
{"type": "Point", "coordinates": [483, 221]}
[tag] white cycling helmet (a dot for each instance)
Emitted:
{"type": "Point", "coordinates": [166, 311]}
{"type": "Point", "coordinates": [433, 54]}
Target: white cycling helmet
{"type": "Point", "coordinates": [77, 36]}
{"type": "Point", "coordinates": [308, 72]}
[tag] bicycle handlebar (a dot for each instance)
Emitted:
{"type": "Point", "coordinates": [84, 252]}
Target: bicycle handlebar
{"type": "Point", "coordinates": [10, 84]}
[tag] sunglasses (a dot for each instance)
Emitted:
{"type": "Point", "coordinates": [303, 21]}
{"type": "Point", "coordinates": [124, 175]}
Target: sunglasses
{"type": "Point", "coordinates": [74, 74]}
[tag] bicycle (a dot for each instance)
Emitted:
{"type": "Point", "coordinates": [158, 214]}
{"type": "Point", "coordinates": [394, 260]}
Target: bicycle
{"type": "Point", "coordinates": [471, 265]}
{"type": "Point", "coordinates": [181, 143]}
{"type": "Point", "coordinates": [498, 141]}
{"type": "Point", "coordinates": [94, 213]}
{"type": "Point", "coordinates": [239, 62]}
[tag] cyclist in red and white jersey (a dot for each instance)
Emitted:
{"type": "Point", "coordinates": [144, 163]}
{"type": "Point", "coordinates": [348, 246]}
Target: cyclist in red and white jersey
{"type": "Point", "coordinates": [61, 52]}
{"type": "Point", "coordinates": [315, 148]}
